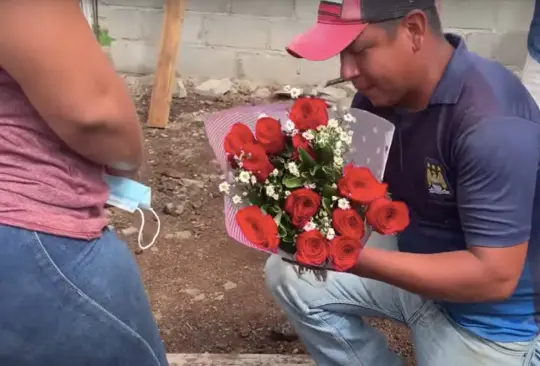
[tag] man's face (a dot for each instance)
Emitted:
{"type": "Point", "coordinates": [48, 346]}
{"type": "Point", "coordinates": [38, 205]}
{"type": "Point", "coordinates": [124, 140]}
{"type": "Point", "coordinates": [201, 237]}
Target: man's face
{"type": "Point", "coordinates": [379, 64]}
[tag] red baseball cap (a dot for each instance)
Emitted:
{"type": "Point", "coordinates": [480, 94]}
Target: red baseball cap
{"type": "Point", "coordinates": [340, 22]}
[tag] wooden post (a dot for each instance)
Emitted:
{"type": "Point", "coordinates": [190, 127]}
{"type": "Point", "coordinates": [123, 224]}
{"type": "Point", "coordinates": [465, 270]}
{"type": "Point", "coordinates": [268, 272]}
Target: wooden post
{"type": "Point", "coordinates": [160, 103]}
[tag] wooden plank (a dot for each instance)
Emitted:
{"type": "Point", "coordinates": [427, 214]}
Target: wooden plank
{"type": "Point", "coordinates": [171, 34]}
{"type": "Point", "coordinates": [204, 359]}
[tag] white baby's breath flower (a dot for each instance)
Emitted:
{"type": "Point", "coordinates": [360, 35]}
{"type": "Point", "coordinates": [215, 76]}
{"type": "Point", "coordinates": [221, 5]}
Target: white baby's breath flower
{"type": "Point", "coordinates": [333, 123]}
{"type": "Point", "coordinates": [245, 177]}
{"type": "Point", "coordinates": [289, 126]}
{"type": "Point", "coordinates": [296, 92]}
{"type": "Point", "coordinates": [308, 135]}
{"type": "Point", "coordinates": [287, 88]}
{"type": "Point", "coordinates": [334, 185]}
{"type": "Point", "coordinates": [270, 190]}
{"type": "Point", "coordinates": [224, 187]}
{"type": "Point", "coordinates": [253, 179]}
{"type": "Point", "coordinates": [338, 152]}
{"type": "Point", "coordinates": [343, 136]}
{"type": "Point", "coordinates": [331, 234]}
{"type": "Point", "coordinates": [310, 226]}
{"type": "Point", "coordinates": [244, 194]}
{"type": "Point", "coordinates": [334, 198]}
{"type": "Point", "coordinates": [311, 186]}
{"type": "Point", "coordinates": [338, 161]}
{"type": "Point", "coordinates": [287, 193]}
{"type": "Point", "coordinates": [237, 199]}
{"type": "Point", "coordinates": [276, 197]}
{"type": "Point", "coordinates": [348, 140]}
{"type": "Point", "coordinates": [343, 203]}
{"type": "Point", "coordinates": [349, 118]}
{"type": "Point", "coordinates": [293, 168]}
{"type": "Point", "coordinates": [338, 145]}
{"type": "Point", "coordinates": [321, 128]}
{"type": "Point", "coordinates": [274, 173]}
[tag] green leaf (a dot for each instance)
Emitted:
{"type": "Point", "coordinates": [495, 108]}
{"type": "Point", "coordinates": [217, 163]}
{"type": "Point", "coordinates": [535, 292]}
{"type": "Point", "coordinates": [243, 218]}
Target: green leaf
{"type": "Point", "coordinates": [313, 171]}
{"type": "Point", "coordinates": [277, 218]}
{"type": "Point", "coordinates": [326, 155]}
{"type": "Point", "coordinates": [292, 182]}
{"type": "Point", "coordinates": [330, 172]}
{"type": "Point", "coordinates": [306, 159]}
{"type": "Point", "coordinates": [255, 199]}
{"type": "Point", "coordinates": [327, 204]}
{"type": "Point", "coordinates": [329, 192]}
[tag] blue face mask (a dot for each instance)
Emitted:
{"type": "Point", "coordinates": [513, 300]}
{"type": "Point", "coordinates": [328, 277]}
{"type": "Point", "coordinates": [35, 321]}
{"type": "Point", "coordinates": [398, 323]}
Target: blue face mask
{"type": "Point", "coordinates": [131, 196]}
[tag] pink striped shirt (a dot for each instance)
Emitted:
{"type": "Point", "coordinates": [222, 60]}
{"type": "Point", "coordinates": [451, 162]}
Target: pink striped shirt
{"type": "Point", "coordinates": [44, 185]}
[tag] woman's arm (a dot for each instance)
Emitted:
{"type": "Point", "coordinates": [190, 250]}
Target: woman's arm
{"type": "Point", "coordinates": [48, 47]}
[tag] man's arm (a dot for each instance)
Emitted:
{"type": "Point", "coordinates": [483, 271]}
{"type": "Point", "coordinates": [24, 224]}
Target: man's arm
{"type": "Point", "coordinates": [497, 161]}
{"type": "Point", "coordinates": [48, 47]}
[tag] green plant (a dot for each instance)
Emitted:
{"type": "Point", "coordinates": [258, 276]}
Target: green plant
{"type": "Point", "coordinates": [104, 38]}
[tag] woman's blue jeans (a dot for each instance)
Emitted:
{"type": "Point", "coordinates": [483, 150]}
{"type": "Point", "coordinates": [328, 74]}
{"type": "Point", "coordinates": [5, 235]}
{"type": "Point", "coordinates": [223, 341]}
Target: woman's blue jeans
{"type": "Point", "coordinates": [67, 302]}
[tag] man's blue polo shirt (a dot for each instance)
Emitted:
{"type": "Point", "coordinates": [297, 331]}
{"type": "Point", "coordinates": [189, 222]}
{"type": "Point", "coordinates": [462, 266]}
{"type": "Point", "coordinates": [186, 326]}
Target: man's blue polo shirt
{"type": "Point", "coordinates": [467, 166]}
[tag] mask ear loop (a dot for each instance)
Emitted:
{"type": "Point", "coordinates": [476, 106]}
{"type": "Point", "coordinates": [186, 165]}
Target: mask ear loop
{"type": "Point", "coordinates": [140, 238]}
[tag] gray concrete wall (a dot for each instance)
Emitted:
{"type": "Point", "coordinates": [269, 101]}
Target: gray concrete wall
{"type": "Point", "coordinates": [246, 38]}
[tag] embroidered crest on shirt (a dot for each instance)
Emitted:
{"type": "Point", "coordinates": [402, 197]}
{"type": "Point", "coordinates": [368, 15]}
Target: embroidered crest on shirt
{"type": "Point", "coordinates": [436, 180]}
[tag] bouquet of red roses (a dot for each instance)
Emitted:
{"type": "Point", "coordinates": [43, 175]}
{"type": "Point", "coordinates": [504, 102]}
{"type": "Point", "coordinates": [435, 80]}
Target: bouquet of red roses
{"type": "Point", "coordinates": [296, 194]}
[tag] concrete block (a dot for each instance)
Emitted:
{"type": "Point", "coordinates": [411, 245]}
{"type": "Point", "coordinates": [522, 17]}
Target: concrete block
{"type": "Point", "coordinates": [152, 20]}
{"type": "Point", "coordinates": [263, 8]}
{"type": "Point", "coordinates": [268, 67]}
{"type": "Point", "coordinates": [209, 6]}
{"type": "Point", "coordinates": [306, 10]}
{"type": "Point", "coordinates": [283, 31]}
{"type": "Point", "coordinates": [121, 22]}
{"type": "Point", "coordinates": [235, 31]}
{"type": "Point", "coordinates": [208, 62]}
{"type": "Point", "coordinates": [512, 49]}
{"type": "Point", "coordinates": [514, 15]}
{"type": "Point", "coordinates": [133, 56]}
{"type": "Point", "coordinates": [470, 14]}
{"type": "Point", "coordinates": [312, 72]}
{"type": "Point", "coordinates": [484, 43]}
{"type": "Point", "coordinates": [135, 3]}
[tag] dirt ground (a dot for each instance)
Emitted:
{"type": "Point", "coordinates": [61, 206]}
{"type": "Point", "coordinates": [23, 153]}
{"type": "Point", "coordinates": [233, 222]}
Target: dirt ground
{"type": "Point", "coordinates": [207, 292]}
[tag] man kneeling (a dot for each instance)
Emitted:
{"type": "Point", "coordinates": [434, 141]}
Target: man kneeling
{"type": "Point", "coordinates": [465, 275]}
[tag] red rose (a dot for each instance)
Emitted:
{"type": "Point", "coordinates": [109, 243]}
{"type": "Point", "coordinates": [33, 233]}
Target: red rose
{"type": "Point", "coordinates": [311, 248]}
{"type": "Point", "coordinates": [387, 217]}
{"type": "Point", "coordinates": [239, 137]}
{"type": "Point", "coordinates": [300, 142]}
{"type": "Point", "coordinates": [344, 252]}
{"type": "Point", "coordinates": [256, 161]}
{"type": "Point", "coordinates": [309, 113]}
{"type": "Point", "coordinates": [348, 223]}
{"type": "Point", "coordinates": [359, 185]}
{"type": "Point", "coordinates": [301, 205]}
{"type": "Point", "coordinates": [269, 135]}
{"type": "Point", "coordinates": [259, 228]}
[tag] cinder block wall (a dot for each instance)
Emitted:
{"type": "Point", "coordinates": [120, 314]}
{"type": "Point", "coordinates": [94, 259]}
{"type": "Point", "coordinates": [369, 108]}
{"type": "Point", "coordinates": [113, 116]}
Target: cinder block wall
{"type": "Point", "coordinates": [246, 38]}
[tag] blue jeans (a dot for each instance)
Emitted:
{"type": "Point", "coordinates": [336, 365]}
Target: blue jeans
{"type": "Point", "coordinates": [327, 317]}
{"type": "Point", "coordinates": [66, 302]}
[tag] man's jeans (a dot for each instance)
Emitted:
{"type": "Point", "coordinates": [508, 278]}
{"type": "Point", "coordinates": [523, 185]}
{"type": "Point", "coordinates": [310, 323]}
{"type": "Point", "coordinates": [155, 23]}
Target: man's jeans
{"type": "Point", "coordinates": [327, 317]}
{"type": "Point", "coordinates": [66, 302]}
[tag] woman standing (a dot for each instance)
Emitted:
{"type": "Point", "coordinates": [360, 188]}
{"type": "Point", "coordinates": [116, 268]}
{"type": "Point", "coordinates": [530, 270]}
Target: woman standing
{"type": "Point", "coordinates": [70, 291]}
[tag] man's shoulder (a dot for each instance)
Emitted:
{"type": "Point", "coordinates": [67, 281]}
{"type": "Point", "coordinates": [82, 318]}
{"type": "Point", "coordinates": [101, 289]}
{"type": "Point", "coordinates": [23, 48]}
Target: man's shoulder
{"type": "Point", "coordinates": [490, 90]}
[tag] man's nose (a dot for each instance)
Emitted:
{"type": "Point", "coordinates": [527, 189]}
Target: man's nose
{"type": "Point", "coordinates": [349, 69]}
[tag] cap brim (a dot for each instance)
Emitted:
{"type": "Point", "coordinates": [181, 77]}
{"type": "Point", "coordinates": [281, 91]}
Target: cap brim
{"type": "Point", "coordinates": [324, 41]}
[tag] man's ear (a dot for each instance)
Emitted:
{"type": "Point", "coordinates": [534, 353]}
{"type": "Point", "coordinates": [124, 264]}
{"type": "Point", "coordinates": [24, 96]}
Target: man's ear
{"type": "Point", "coordinates": [416, 25]}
